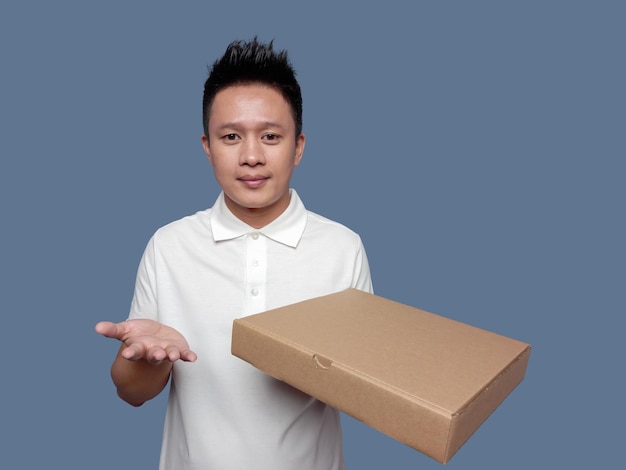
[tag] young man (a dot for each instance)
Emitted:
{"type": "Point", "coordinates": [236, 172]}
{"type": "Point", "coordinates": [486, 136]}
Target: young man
{"type": "Point", "coordinates": [256, 249]}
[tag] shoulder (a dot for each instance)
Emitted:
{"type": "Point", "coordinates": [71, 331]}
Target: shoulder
{"type": "Point", "coordinates": [193, 225]}
{"type": "Point", "coordinates": [320, 226]}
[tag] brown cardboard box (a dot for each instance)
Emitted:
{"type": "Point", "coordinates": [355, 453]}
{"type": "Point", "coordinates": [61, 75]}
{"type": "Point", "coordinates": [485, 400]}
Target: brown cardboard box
{"type": "Point", "coordinates": [420, 378]}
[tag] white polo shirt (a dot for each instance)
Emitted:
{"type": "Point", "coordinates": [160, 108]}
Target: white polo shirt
{"type": "Point", "coordinates": [200, 273]}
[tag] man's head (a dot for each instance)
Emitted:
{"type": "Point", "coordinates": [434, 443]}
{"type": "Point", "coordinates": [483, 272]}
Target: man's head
{"type": "Point", "coordinates": [253, 130]}
{"type": "Point", "coordinates": [248, 63]}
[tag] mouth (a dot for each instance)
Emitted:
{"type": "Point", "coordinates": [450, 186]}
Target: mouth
{"type": "Point", "coordinates": [253, 181]}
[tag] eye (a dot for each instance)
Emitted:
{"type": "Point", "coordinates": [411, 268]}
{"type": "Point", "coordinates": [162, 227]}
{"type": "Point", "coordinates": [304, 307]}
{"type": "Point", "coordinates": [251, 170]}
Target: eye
{"type": "Point", "coordinates": [230, 137]}
{"type": "Point", "coordinates": [271, 138]}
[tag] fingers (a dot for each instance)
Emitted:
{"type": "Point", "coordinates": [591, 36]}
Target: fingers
{"type": "Point", "coordinates": [133, 352]}
{"type": "Point", "coordinates": [188, 356]}
{"type": "Point", "coordinates": [157, 354]}
{"type": "Point", "coordinates": [110, 329]}
{"type": "Point", "coordinates": [144, 341]}
{"type": "Point", "coordinates": [185, 355]}
{"type": "Point", "coordinates": [153, 354]}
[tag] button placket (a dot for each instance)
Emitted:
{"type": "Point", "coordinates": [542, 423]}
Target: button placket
{"type": "Point", "coordinates": [256, 273]}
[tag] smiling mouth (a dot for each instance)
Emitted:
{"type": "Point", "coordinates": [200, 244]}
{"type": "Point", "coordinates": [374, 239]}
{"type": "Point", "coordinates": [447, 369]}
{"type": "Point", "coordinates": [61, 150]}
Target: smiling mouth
{"type": "Point", "coordinates": [253, 181]}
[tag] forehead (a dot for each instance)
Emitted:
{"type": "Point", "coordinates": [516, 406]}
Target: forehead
{"type": "Point", "coordinates": [249, 103]}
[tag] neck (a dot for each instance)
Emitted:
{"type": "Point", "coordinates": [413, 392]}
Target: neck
{"type": "Point", "coordinates": [257, 217]}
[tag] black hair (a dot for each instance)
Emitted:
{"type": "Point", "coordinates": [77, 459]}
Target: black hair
{"type": "Point", "coordinates": [253, 62]}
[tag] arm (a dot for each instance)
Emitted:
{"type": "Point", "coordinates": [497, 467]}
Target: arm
{"type": "Point", "coordinates": [144, 361]}
{"type": "Point", "coordinates": [138, 381]}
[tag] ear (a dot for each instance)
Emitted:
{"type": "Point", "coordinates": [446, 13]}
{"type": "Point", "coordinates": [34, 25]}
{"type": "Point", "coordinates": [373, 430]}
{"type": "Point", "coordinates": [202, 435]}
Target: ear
{"type": "Point", "coordinates": [206, 147]}
{"type": "Point", "coordinates": [300, 141]}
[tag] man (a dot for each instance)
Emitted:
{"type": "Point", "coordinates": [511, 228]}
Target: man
{"type": "Point", "coordinates": [256, 249]}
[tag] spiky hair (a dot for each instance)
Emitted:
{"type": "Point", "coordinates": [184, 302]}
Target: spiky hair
{"type": "Point", "coordinates": [253, 62]}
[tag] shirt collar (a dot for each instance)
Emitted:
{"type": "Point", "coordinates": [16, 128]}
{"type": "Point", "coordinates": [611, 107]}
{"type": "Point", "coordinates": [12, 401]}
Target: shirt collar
{"type": "Point", "coordinates": [287, 228]}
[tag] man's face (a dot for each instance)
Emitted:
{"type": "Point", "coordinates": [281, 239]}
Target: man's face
{"type": "Point", "coordinates": [253, 149]}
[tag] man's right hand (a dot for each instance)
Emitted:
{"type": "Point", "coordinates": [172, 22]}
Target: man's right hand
{"type": "Point", "coordinates": [149, 340]}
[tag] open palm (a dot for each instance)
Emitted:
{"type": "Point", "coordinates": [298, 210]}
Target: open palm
{"type": "Point", "coordinates": [148, 339]}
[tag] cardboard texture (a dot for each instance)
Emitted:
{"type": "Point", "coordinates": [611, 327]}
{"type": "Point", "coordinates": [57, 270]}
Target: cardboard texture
{"type": "Point", "coordinates": [422, 379]}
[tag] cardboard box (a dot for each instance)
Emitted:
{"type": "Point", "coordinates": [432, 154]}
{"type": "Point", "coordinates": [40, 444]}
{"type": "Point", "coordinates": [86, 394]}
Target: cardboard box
{"type": "Point", "coordinates": [420, 378]}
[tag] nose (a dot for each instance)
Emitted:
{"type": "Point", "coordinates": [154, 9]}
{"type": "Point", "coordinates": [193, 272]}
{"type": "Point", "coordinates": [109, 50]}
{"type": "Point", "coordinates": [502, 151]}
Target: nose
{"type": "Point", "coordinates": [251, 153]}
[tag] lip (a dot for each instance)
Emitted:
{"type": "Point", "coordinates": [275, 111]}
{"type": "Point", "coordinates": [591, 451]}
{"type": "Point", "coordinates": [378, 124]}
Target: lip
{"type": "Point", "coordinates": [253, 181]}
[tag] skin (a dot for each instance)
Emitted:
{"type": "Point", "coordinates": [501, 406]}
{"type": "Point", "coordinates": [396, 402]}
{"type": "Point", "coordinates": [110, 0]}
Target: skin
{"type": "Point", "coordinates": [144, 361]}
{"type": "Point", "coordinates": [253, 149]}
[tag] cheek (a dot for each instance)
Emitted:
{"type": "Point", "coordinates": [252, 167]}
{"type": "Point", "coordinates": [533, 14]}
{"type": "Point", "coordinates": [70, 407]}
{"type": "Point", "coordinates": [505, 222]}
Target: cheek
{"type": "Point", "coordinates": [221, 171]}
{"type": "Point", "coordinates": [221, 162]}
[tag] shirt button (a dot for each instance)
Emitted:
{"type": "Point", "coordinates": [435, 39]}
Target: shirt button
{"type": "Point", "coordinates": [255, 235]}
{"type": "Point", "coordinates": [255, 292]}
{"type": "Point", "coordinates": [255, 263]}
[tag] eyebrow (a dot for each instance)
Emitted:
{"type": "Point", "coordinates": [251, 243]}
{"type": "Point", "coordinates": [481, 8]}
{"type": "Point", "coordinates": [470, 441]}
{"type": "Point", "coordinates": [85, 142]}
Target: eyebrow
{"type": "Point", "coordinates": [262, 125]}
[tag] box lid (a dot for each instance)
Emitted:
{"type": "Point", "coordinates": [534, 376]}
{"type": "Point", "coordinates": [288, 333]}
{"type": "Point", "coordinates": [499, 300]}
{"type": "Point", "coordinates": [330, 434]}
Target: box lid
{"type": "Point", "coordinates": [436, 360]}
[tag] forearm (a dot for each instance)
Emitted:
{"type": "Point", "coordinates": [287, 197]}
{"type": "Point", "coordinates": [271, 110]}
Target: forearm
{"type": "Point", "coordinates": [139, 381]}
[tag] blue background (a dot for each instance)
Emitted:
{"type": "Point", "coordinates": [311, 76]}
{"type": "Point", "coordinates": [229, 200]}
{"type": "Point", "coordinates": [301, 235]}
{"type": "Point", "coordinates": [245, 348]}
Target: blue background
{"type": "Point", "coordinates": [477, 147]}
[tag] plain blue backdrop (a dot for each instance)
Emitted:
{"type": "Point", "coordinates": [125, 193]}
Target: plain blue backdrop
{"type": "Point", "coordinates": [477, 147]}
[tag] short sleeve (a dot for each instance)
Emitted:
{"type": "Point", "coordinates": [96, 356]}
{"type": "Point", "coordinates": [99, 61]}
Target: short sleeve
{"type": "Point", "coordinates": [144, 303]}
{"type": "Point", "coordinates": [362, 278]}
